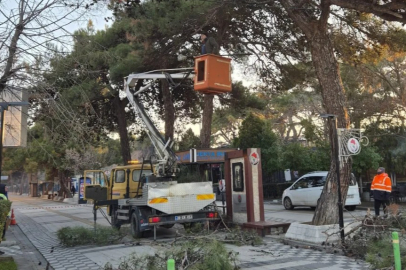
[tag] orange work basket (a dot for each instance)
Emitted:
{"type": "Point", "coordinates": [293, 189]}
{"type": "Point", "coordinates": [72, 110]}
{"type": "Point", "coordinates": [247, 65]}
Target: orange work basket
{"type": "Point", "coordinates": [212, 74]}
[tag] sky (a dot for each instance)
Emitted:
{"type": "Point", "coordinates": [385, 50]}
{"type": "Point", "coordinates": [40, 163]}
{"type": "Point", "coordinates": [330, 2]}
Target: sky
{"type": "Point", "coordinates": [74, 21]}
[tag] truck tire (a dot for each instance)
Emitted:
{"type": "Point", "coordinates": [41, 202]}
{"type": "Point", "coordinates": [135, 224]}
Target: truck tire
{"type": "Point", "coordinates": [115, 223]}
{"type": "Point", "coordinates": [135, 225]}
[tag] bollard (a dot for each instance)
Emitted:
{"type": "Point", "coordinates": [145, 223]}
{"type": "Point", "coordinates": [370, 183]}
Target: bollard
{"type": "Point", "coordinates": [171, 264]}
{"type": "Point", "coordinates": [396, 250]}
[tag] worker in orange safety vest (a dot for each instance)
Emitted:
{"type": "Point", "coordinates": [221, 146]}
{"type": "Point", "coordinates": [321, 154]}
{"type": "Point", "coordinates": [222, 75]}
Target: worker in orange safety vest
{"type": "Point", "coordinates": [381, 188]}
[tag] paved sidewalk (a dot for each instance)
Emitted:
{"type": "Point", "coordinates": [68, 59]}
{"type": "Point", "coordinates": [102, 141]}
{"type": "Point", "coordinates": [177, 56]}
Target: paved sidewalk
{"type": "Point", "coordinates": [40, 219]}
{"type": "Point", "coordinates": [22, 250]}
{"type": "Point", "coordinates": [277, 256]}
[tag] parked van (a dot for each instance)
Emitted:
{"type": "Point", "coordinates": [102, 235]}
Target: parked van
{"type": "Point", "coordinates": [306, 191]}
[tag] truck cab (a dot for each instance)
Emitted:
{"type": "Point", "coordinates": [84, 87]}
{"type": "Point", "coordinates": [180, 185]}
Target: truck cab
{"type": "Point", "coordinates": [132, 177]}
{"type": "Point", "coordinates": [125, 182]}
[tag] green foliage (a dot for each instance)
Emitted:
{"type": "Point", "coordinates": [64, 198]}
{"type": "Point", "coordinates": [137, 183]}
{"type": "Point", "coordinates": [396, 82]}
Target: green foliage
{"type": "Point", "coordinates": [380, 252]}
{"type": "Point", "coordinates": [194, 227]}
{"type": "Point", "coordinates": [7, 263]}
{"type": "Point", "coordinates": [311, 132]}
{"type": "Point", "coordinates": [5, 207]}
{"type": "Point", "coordinates": [77, 236]}
{"type": "Point", "coordinates": [305, 159]}
{"type": "Point", "coordinates": [257, 133]}
{"type": "Point", "coordinates": [368, 158]}
{"type": "Point", "coordinates": [375, 246]}
{"type": "Point", "coordinates": [44, 154]}
{"type": "Point", "coordinates": [240, 237]}
{"type": "Point", "coordinates": [189, 140]}
{"type": "Point", "coordinates": [235, 106]}
{"type": "Point", "coordinates": [295, 156]}
{"type": "Point", "coordinates": [202, 254]}
{"type": "Point", "coordinates": [390, 144]}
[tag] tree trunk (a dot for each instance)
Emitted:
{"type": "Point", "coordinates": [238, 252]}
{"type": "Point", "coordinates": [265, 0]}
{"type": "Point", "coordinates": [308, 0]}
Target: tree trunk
{"type": "Point", "coordinates": [21, 183]}
{"type": "Point", "coordinates": [205, 133]}
{"type": "Point", "coordinates": [327, 207]}
{"type": "Point", "coordinates": [332, 91]}
{"type": "Point", "coordinates": [169, 110]}
{"type": "Point", "coordinates": [328, 74]}
{"type": "Point", "coordinates": [119, 108]}
{"type": "Point", "coordinates": [63, 190]}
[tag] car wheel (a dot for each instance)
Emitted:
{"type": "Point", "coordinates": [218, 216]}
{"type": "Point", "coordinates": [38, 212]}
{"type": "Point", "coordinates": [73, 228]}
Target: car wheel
{"type": "Point", "coordinates": [351, 207]}
{"type": "Point", "coordinates": [135, 226]}
{"type": "Point", "coordinates": [287, 203]}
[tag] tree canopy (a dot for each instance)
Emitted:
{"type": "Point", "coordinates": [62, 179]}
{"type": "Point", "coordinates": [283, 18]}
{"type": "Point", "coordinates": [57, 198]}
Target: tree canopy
{"type": "Point", "coordinates": [341, 57]}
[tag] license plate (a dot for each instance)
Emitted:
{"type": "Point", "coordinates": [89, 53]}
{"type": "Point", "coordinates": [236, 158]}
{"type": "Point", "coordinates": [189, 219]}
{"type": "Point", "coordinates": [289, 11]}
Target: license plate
{"type": "Point", "coordinates": [350, 196]}
{"type": "Point", "coordinates": [183, 217]}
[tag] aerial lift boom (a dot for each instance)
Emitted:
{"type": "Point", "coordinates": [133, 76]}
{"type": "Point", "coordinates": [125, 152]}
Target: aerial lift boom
{"type": "Point", "coordinates": [166, 163]}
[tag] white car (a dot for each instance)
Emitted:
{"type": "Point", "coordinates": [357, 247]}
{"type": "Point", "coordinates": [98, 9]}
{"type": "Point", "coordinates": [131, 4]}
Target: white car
{"type": "Point", "coordinates": [306, 191]}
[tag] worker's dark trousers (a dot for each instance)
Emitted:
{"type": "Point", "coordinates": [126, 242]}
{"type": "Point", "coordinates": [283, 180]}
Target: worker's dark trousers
{"type": "Point", "coordinates": [377, 204]}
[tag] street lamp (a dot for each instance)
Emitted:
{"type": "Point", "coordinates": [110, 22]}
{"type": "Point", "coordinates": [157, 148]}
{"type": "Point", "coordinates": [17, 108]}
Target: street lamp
{"type": "Point", "coordinates": [337, 155]}
{"type": "Point", "coordinates": [3, 107]}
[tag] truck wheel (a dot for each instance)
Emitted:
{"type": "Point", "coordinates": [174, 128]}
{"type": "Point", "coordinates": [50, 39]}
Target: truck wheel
{"type": "Point", "coordinates": [135, 225]}
{"type": "Point", "coordinates": [115, 223]}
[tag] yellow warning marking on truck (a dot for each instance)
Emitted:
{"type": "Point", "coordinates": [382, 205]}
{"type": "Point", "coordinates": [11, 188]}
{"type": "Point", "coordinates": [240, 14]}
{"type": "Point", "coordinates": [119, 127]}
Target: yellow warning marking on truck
{"type": "Point", "coordinates": [159, 200]}
{"type": "Point", "coordinates": [205, 196]}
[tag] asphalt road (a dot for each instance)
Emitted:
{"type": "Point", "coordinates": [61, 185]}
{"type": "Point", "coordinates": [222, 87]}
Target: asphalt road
{"type": "Point", "coordinates": [277, 213]}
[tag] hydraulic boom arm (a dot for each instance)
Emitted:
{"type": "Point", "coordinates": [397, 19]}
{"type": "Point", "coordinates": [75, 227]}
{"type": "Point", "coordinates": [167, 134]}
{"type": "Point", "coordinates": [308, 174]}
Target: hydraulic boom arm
{"type": "Point", "coordinates": [167, 160]}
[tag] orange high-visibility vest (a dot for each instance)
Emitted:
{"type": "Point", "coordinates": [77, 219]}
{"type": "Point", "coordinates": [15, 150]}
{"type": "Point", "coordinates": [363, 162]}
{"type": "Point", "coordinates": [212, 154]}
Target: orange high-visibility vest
{"type": "Point", "coordinates": [382, 182]}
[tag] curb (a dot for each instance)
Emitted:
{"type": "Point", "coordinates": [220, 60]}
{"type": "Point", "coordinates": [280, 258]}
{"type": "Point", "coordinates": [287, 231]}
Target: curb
{"type": "Point", "coordinates": [8, 243]}
{"type": "Point", "coordinates": [333, 248]}
{"type": "Point", "coordinates": [359, 207]}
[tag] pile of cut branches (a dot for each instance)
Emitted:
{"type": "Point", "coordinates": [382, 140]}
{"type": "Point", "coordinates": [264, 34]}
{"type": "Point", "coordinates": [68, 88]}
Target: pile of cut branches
{"type": "Point", "coordinates": [196, 254]}
{"type": "Point", "coordinates": [196, 248]}
{"type": "Point", "coordinates": [372, 239]}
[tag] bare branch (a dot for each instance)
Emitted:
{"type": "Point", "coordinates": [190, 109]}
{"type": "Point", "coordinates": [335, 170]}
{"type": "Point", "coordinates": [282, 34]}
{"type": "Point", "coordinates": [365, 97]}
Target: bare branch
{"type": "Point", "coordinates": [325, 12]}
{"type": "Point", "coordinates": [391, 11]}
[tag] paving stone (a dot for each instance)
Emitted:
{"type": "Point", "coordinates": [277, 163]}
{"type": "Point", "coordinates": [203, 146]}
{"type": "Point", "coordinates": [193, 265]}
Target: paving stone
{"type": "Point", "coordinates": [40, 224]}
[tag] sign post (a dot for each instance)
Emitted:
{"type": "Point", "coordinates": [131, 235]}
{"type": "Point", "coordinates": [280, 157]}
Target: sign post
{"type": "Point", "coordinates": [346, 144]}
